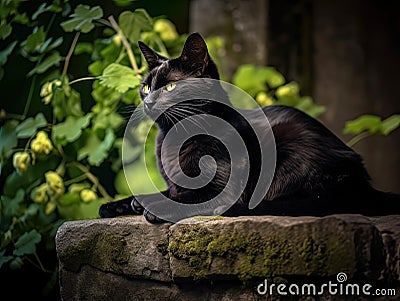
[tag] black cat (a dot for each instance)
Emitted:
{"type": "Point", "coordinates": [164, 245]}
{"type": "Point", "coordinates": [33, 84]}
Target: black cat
{"type": "Point", "coordinates": [315, 174]}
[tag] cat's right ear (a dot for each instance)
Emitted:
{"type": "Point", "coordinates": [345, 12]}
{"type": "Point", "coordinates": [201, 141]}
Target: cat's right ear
{"type": "Point", "coordinates": [152, 58]}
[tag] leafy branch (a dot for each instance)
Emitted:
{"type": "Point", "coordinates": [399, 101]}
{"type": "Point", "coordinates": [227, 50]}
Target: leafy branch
{"type": "Point", "coordinates": [126, 44]}
{"type": "Point", "coordinates": [93, 179]}
{"type": "Point", "coordinates": [48, 166]}
{"type": "Point", "coordinates": [368, 125]}
{"type": "Point", "coordinates": [70, 53]}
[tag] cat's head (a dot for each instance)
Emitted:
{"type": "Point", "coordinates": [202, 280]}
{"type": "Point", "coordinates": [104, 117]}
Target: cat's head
{"type": "Point", "coordinates": [161, 83]}
{"type": "Point", "coordinates": [194, 61]}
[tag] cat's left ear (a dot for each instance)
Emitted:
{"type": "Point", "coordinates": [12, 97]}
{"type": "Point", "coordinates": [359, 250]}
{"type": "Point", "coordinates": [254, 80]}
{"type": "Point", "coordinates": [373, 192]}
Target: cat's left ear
{"type": "Point", "coordinates": [152, 58]}
{"type": "Point", "coordinates": [195, 52]}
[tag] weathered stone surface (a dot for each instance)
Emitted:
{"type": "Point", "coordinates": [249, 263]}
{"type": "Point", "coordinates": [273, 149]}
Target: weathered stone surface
{"type": "Point", "coordinates": [262, 247]}
{"type": "Point", "coordinates": [222, 258]}
{"type": "Point", "coordinates": [389, 228]}
{"type": "Point", "coordinates": [123, 246]}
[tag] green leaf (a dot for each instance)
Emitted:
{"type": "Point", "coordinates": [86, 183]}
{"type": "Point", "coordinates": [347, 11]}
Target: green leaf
{"type": "Point", "coordinates": [35, 40]}
{"type": "Point", "coordinates": [66, 102]}
{"type": "Point", "coordinates": [92, 142]}
{"type": "Point", "coordinates": [253, 79]}
{"type": "Point", "coordinates": [53, 59]}
{"type": "Point", "coordinates": [105, 120]}
{"type": "Point", "coordinates": [73, 103]}
{"type": "Point", "coordinates": [108, 98]}
{"type": "Point", "coordinates": [6, 52]}
{"type": "Point", "coordinates": [48, 46]}
{"type": "Point", "coordinates": [71, 128]}
{"type": "Point", "coordinates": [26, 244]}
{"type": "Point", "coordinates": [31, 211]}
{"type": "Point", "coordinates": [95, 149]}
{"type": "Point", "coordinates": [133, 23]}
{"type": "Point", "coordinates": [21, 18]}
{"type": "Point", "coordinates": [42, 9]}
{"type": "Point", "coordinates": [82, 18]}
{"type": "Point", "coordinates": [83, 47]}
{"type": "Point", "coordinates": [4, 259]}
{"type": "Point", "coordinates": [369, 123]}
{"type": "Point", "coordinates": [121, 184]}
{"type": "Point", "coordinates": [273, 78]}
{"type": "Point", "coordinates": [79, 211]}
{"type": "Point", "coordinates": [123, 2]}
{"type": "Point", "coordinates": [390, 124]}
{"type": "Point", "coordinates": [68, 199]}
{"type": "Point", "coordinates": [131, 97]}
{"type": "Point", "coordinates": [119, 77]}
{"type": "Point", "coordinates": [95, 68]}
{"type": "Point", "coordinates": [8, 138]}
{"type": "Point", "coordinates": [5, 30]}
{"type": "Point", "coordinates": [17, 263]}
{"type": "Point", "coordinates": [5, 9]}
{"type": "Point", "coordinates": [12, 205]}
{"type": "Point", "coordinates": [110, 53]}
{"type": "Point", "coordinates": [291, 89]}
{"type": "Point", "coordinates": [30, 126]}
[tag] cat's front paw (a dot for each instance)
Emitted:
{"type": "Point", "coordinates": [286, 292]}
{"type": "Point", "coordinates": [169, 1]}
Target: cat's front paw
{"type": "Point", "coordinates": [119, 208]}
{"type": "Point", "coordinates": [137, 207]}
{"type": "Point", "coordinates": [151, 218]}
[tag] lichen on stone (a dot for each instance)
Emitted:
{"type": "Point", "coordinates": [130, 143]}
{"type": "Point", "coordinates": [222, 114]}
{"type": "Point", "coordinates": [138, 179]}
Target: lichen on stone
{"type": "Point", "coordinates": [246, 255]}
{"type": "Point", "coordinates": [105, 251]}
{"type": "Point", "coordinates": [314, 255]}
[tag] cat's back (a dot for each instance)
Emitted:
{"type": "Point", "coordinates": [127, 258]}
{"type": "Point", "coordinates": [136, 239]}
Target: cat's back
{"type": "Point", "coordinates": [297, 134]}
{"type": "Point", "coordinates": [291, 123]}
{"type": "Point", "coordinates": [281, 114]}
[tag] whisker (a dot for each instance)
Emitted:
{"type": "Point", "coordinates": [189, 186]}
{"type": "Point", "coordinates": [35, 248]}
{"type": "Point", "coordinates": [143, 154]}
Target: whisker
{"type": "Point", "coordinates": [198, 115]}
{"type": "Point", "coordinates": [176, 123]}
{"type": "Point", "coordinates": [193, 121]}
{"type": "Point", "coordinates": [138, 115]}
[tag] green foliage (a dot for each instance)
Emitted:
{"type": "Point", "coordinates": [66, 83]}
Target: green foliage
{"type": "Point", "coordinates": [133, 23]}
{"type": "Point", "coordinates": [71, 129]}
{"type": "Point", "coordinates": [82, 19]}
{"type": "Point", "coordinates": [29, 126]}
{"type": "Point", "coordinates": [372, 124]}
{"type": "Point", "coordinates": [268, 86]}
{"type": "Point", "coordinates": [96, 150]}
{"type": "Point", "coordinates": [367, 125]}
{"type": "Point", "coordinates": [119, 77]}
{"type": "Point", "coordinates": [254, 79]}
{"type": "Point", "coordinates": [51, 160]}
{"type": "Point", "coordinates": [26, 243]}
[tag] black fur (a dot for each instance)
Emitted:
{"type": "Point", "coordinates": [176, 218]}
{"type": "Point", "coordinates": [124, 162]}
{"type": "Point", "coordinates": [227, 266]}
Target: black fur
{"type": "Point", "coordinates": [316, 173]}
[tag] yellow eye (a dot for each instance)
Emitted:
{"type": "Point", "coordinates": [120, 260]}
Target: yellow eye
{"type": "Point", "coordinates": [170, 87]}
{"type": "Point", "coordinates": [146, 89]}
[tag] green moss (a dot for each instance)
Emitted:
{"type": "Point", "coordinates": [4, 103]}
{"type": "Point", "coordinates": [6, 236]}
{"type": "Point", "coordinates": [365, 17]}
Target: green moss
{"type": "Point", "coordinates": [162, 246]}
{"type": "Point", "coordinates": [314, 255]}
{"type": "Point", "coordinates": [247, 256]}
{"type": "Point", "coordinates": [105, 251]}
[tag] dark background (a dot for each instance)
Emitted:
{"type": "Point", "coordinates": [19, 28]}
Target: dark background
{"type": "Point", "coordinates": [345, 54]}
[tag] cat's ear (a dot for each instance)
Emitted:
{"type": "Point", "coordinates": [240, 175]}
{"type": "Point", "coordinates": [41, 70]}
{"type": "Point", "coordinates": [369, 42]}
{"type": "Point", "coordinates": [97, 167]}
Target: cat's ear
{"type": "Point", "coordinates": [152, 58]}
{"type": "Point", "coordinates": [195, 52]}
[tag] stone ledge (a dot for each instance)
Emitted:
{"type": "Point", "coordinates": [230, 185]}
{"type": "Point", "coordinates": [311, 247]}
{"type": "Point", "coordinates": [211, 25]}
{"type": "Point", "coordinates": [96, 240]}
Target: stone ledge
{"type": "Point", "coordinates": [214, 258]}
